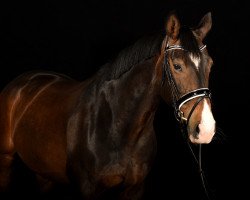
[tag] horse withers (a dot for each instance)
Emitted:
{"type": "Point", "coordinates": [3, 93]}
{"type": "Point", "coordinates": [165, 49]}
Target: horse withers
{"type": "Point", "coordinates": [98, 133]}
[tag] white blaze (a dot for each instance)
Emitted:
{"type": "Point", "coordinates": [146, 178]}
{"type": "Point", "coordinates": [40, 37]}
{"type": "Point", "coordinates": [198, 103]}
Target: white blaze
{"type": "Point", "coordinates": [195, 60]}
{"type": "Point", "coordinates": [207, 125]}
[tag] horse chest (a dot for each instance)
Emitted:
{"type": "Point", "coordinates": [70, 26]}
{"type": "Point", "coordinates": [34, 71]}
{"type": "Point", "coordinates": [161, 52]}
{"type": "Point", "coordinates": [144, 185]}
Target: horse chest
{"type": "Point", "coordinates": [129, 171]}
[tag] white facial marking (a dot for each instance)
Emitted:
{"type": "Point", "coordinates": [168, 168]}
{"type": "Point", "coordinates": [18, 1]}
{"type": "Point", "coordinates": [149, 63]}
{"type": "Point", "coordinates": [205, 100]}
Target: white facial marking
{"type": "Point", "coordinates": [195, 60]}
{"type": "Point", "coordinates": [207, 125]}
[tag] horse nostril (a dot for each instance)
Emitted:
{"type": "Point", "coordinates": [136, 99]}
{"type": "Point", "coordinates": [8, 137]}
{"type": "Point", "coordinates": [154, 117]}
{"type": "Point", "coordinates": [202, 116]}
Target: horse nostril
{"type": "Point", "coordinates": [197, 129]}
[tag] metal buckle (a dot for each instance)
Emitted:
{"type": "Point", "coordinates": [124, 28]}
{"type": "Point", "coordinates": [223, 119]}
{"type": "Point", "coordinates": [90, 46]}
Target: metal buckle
{"type": "Point", "coordinates": [180, 116]}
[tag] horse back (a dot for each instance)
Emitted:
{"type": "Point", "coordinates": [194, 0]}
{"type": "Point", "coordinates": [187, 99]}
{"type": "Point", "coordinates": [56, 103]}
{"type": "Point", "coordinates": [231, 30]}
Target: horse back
{"type": "Point", "coordinates": [34, 110]}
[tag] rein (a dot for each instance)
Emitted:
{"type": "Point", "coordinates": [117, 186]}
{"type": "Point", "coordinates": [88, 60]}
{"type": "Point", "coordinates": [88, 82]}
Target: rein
{"type": "Point", "coordinates": [199, 94]}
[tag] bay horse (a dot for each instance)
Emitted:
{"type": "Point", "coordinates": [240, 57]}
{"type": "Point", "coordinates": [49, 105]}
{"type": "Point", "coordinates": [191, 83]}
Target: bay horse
{"type": "Point", "coordinates": [98, 133]}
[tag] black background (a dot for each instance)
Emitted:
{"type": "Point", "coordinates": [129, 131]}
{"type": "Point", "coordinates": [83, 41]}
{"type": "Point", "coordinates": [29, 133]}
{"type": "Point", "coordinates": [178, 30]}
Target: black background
{"type": "Point", "coordinates": [77, 38]}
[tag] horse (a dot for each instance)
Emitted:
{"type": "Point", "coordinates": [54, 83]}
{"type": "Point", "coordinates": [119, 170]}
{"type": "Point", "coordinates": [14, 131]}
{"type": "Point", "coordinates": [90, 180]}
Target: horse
{"type": "Point", "coordinates": [98, 134]}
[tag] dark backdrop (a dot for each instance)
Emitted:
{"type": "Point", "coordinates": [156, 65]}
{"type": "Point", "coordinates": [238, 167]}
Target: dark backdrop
{"type": "Point", "coordinates": [77, 38]}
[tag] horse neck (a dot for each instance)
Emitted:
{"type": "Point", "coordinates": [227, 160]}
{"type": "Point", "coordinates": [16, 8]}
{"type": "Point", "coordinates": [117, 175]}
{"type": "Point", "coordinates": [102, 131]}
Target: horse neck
{"type": "Point", "coordinates": [130, 101]}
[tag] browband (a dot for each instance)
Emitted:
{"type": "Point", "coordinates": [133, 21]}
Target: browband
{"type": "Point", "coordinates": [173, 47]}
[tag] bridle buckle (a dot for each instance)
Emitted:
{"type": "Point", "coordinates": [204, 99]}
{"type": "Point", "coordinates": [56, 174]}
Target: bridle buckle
{"type": "Point", "coordinates": [180, 116]}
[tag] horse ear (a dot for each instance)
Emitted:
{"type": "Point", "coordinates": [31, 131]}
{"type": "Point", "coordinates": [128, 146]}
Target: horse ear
{"type": "Point", "coordinates": [204, 26]}
{"type": "Point", "coordinates": [173, 26]}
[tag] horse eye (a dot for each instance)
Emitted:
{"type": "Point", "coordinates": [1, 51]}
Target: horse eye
{"type": "Point", "coordinates": [177, 67]}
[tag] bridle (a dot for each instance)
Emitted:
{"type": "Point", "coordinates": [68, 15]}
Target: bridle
{"type": "Point", "coordinates": [177, 101]}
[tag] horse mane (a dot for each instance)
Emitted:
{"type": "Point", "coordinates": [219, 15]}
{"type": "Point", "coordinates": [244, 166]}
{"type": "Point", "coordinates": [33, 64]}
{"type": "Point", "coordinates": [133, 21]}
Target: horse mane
{"type": "Point", "coordinates": [141, 50]}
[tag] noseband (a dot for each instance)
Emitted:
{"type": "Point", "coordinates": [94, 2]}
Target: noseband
{"type": "Point", "coordinates": [177, 101]}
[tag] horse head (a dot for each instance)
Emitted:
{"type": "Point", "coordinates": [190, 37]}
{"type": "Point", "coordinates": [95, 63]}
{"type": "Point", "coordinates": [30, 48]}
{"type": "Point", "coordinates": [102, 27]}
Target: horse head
{"type": "Point", "coordinates": [185, 68]}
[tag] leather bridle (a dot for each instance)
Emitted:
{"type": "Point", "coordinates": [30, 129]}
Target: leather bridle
{"type": "Point", "coordinates": [177, 101]}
